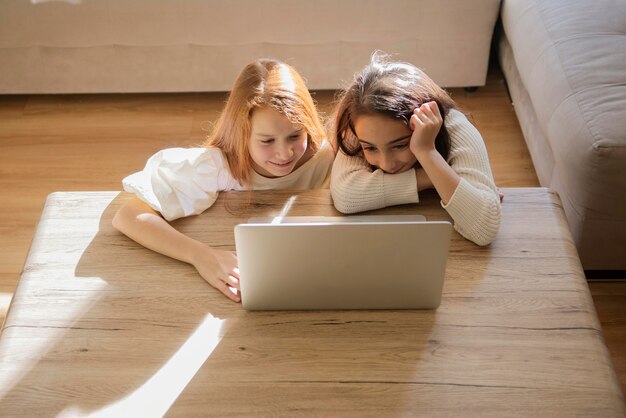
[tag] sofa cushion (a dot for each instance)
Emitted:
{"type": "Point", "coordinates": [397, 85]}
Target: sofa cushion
{"type": "Point", "coordinates": [571, 58]}
{"type": "Point", "coordinates": [169, 45]}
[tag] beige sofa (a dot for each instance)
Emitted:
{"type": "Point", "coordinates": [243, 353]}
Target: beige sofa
{"type": "Point", "coordinates": [81, 46]}
{"type": "Point", "coordinates": [565, 66]}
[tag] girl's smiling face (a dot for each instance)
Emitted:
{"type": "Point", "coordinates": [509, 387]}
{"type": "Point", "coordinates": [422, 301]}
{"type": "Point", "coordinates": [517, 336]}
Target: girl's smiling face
{"type": "Point", "coordinates": [385, 142]}
{"type": "Point", "coordinates": [276, 145]}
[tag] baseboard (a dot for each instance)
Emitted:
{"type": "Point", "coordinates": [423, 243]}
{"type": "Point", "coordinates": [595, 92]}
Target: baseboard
{"type": "Point", "coordinates": [606, 275]}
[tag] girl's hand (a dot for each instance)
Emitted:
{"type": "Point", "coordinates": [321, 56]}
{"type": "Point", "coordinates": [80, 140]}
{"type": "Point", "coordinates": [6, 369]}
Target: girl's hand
{"type": "Point", "coordinates": [425, 122]}
{"type": "Point", "coordinates": [219, 268]}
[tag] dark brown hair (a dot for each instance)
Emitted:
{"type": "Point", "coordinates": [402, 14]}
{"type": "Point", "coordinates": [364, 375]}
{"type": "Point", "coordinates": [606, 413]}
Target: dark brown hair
{"type": "Point", "coordinates": [389, 88]}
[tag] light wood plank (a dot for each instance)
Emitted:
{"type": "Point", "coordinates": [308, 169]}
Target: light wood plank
{"type": "Point", "coordinates": [609, 298]}
{"type": "Point", "coordinates": [98, 317]}
{"type": "Point", "coordinates": [50, 143]}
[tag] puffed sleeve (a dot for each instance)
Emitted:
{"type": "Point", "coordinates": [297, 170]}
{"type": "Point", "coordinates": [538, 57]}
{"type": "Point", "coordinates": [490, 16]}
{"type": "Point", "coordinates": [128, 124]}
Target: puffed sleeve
{"type": "Point", "coordinates": [179, 182]}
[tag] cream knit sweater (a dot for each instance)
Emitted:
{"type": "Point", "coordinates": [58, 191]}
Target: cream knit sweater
{"type": "Point", "coordinates": [474, 206]}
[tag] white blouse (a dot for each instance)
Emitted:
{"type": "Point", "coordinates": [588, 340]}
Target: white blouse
{"type": "Point", "coordinates": [179, 182]}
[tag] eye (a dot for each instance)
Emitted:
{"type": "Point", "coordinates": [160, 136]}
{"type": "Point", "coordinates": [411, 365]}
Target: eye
{"type": "Point", "coordinates": [296, 136]}
{"type": "Point", "coordinates": [369, 149]}
{"type": "Point", "coordinates": [267, 141]}
{"type": "Point", "coordinates": [400, 146]}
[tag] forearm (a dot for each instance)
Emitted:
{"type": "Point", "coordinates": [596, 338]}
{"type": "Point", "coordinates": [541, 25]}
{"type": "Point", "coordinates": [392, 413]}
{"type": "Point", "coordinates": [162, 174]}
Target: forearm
{"type": "Point", "coordinates": [145, 226]}
{"type": "Point", "coordinates": [355, 188]}
{"type": "Point", "coordinates": [422, 180]}
{"type": "Point", "coordinates": [464, 181]}
{"type": "Point", "coordinates": [358, 192]}
{"type": "Point", "coordinates": [442, 177]}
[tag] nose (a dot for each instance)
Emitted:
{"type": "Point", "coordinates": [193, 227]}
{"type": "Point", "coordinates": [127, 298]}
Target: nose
{"type": "Point", "coordinates": [388, 164]}
{"type": "Point", "coordinates": [284, 151]}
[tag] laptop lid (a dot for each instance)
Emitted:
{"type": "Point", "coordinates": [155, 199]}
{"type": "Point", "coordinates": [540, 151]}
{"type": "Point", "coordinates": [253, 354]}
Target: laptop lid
{"type": "Point", "coordinates": [342, 265]}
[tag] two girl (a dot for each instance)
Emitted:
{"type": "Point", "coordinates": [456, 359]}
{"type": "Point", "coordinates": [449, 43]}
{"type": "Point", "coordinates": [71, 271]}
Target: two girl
{"type": "Point", "coordinates": [397, 133]}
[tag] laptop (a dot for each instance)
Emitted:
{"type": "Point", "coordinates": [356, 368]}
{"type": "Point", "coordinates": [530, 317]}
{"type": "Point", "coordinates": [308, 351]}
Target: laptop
{"type": "Point", "coordinates": [347, 262]}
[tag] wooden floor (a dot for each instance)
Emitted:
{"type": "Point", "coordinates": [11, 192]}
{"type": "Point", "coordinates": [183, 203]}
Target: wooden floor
{"type": "Point", "coordinates": [90, 142]}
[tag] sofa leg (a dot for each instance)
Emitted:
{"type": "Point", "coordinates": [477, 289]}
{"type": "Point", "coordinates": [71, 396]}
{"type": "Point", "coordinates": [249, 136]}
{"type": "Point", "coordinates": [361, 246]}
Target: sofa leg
{"type": "Point", "coordinates": [472, 89]}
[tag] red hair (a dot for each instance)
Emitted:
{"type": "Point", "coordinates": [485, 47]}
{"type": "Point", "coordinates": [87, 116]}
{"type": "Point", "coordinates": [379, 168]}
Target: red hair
{"type": "Point", "coordinates": [270, 83]}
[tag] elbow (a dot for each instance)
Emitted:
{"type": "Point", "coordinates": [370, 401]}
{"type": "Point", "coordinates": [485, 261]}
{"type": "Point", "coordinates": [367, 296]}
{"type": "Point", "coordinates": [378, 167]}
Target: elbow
{"type": "Point", "coordinates": [346, 210]}
{"type": "Point", "coordinates": [489, 229]}
{"type": "Point", "coordinates": [343, 195]}
{"type": "Point", "coordinates": [129, 215]}
{"type": "Point", "coordinates": [485, 229]}
{"type": "Point", "coordinates": [483, 237]}
{"type": "Point", "coordinates": [484, 240]}
{"type": "Point", "coordinates": [342, 207]}
{"type": "Point", "coordinates": [341, 203]}
{"type": "Point", "coordinates": [118, 220]}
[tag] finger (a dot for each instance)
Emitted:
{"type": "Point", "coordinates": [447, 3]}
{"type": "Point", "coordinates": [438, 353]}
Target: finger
{"type": "Point", "coordinates": [234, 296]}
{"type": "Point", "coordinates": [425, 118]}
{"type": "Point", "coordinates": [415, 121]}
{"type": "Point", "coordinates": [231, 281]}
{"type": "Point", "coordinates": [432, 111]}
{"type": "Point", "coordinates": [235, 272]}
{"type": "Point", "coordinates": [428, 107]}
{"type": "Point", "coordinates": [421, 114]}
{"type": "Point", "coordinates": [411, 123]}
{"type": "Point", "coordinates": [434, 108]}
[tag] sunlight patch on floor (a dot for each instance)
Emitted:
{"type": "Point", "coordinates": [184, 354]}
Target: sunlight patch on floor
{"type": "Point", "coordinates": [155, 397]}
{"type": "Point", "coordinates": [26, 357]}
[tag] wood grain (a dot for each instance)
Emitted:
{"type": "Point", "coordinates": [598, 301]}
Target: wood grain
{"type": "Point", "coordinates": [97, 318]}
{"type": "Point", "coordinates": [90, 142]}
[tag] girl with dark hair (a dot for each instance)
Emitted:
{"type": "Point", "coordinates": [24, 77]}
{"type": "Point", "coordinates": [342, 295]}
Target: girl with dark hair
{"type": "Point", "coordinates": [399, 133]}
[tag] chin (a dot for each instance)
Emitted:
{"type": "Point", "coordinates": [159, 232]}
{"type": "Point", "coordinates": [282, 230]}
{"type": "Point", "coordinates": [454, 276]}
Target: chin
{"type": "Point", "coordinates": [277, 172]}
{"type": "Point", "coordinates": [402, 170]}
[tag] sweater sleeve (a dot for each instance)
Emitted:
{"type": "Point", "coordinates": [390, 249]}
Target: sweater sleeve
{"type": "Point", "coordinates": [356, 188]}
{"type": "Point", "coordinates": [475, 205]}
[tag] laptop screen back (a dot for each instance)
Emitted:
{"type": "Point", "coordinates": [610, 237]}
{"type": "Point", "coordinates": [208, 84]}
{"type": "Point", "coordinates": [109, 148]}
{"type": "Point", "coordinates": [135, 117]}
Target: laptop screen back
{"type": "Point", "coordinates": [345, 265]}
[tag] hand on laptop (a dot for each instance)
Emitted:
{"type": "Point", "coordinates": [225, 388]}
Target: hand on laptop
{"type": "Point", "coordinates": [219, 268]}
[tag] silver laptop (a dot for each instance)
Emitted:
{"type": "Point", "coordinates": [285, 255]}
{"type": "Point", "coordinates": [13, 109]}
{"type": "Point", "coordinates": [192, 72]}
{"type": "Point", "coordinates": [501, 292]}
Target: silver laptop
{"type": "Point", "coordinates": [351, 262]}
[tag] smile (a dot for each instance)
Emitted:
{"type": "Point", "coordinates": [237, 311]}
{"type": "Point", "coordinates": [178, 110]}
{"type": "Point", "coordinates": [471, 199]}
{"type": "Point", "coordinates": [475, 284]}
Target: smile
{"type": "Point", "coordinates": [282, 165]}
